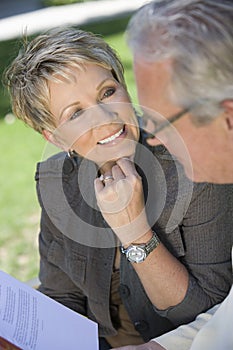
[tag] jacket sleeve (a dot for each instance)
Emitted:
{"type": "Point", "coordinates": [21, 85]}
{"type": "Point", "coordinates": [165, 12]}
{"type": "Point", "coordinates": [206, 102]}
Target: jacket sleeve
{"type": "Point", "coordinates": [202, 241]}
{"type": "Point", "coordinates": [55, 282]}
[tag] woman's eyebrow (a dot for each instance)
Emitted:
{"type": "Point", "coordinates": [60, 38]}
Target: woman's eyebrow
{"type": "Point", "coordinates": [76, 103]}
{"type": "Point", "coordinates": [103, 82]}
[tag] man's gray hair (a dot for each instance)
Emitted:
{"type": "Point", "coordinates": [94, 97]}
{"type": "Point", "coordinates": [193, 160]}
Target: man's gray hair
{"type": "Point", "coordinates": [197, 36]}
{"type": "Point", "coordinates": [44, 58]}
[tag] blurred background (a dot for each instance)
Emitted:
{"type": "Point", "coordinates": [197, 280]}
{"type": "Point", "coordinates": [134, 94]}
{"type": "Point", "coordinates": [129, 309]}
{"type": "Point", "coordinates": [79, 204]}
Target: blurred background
{"type": "Point", "coordinates": [22, 147]}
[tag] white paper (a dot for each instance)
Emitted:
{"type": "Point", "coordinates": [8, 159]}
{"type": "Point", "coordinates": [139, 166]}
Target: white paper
{"type": "Point", "coordinates": [34, 321]}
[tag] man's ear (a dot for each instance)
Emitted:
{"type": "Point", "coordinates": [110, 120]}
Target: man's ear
{"type": "Point", "coordinates": [228, 108]}
{"type": "Point", "coordinates": [51, 138]}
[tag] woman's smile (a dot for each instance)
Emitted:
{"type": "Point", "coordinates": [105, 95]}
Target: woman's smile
{"type": "Point", "coordinates": [113, 139]}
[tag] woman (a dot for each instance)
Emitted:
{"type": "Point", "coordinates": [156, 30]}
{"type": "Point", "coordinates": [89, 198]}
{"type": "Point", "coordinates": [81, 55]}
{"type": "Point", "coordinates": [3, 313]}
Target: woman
{"type": "Point", "coordinates": [156, 255]}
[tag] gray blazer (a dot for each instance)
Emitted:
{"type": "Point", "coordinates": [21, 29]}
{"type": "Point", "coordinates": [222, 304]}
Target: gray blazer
{"type": "Point", "coordinates": [77, 247]}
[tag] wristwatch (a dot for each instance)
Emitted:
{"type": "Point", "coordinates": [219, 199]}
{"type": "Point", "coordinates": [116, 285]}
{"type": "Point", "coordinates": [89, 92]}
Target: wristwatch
{"type": "Point", "coordinates": [137, 253]}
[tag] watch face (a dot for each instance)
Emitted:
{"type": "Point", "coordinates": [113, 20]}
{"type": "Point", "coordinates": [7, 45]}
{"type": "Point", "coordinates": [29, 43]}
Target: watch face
{"type": "Point", "coordinates": [136, 254]}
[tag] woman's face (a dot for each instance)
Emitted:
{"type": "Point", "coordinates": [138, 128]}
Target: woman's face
{"type": "Point", "coordinates": [93, 114]}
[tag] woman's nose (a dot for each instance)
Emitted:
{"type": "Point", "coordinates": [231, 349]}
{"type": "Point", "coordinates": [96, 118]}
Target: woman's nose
{"type": "Point", "coordinates": [104, 114]}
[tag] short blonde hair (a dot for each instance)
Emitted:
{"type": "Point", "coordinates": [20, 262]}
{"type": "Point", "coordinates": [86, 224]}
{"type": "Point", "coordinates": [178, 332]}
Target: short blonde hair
{"type": "Point", "coordinates": [44, 57]}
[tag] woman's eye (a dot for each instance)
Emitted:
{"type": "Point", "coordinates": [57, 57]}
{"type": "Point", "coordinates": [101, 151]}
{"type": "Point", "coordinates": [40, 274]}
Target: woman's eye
{"type": "Point", "coordinates": [75, 115]}
{"type": "Point", "coordinates": [109, 92]}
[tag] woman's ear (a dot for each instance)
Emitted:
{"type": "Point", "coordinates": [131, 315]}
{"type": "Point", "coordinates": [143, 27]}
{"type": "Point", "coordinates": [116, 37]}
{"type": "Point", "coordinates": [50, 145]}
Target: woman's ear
{"type": "Point", "coordinates": [228, 109]}
{"type": "Point", "coordinates": [51, 138]}
{"type": "Point", "coordinates": [48, 136]}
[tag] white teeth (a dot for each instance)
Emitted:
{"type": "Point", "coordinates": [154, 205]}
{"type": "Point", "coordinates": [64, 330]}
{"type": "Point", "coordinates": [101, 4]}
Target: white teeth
{"type": "Point", "coordinates": [111, 138]}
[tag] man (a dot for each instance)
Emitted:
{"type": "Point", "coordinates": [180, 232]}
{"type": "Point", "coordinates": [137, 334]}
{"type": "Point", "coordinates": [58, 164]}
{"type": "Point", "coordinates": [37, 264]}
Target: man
{"type": "Point", "coordinates": [183, 64]}
{"type": "Point", "coordinates": [183, 52]}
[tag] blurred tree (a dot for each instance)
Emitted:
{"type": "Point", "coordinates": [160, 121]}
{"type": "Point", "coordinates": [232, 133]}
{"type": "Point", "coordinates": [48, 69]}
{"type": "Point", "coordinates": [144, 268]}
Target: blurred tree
{"type": "Point", "coordinates": [60, 2]}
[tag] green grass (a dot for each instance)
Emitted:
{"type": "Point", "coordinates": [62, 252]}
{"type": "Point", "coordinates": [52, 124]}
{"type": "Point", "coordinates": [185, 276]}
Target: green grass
{"type": "Point", "coordinates": [21, 149]}
{"type": "Point", "coordinates": [19, 215]}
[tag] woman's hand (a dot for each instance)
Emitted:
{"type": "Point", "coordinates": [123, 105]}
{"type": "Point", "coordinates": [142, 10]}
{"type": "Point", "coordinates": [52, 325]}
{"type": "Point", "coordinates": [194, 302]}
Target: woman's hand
{"type": "Point", "coordinates": [152, 345]}
{"type": "Point", "coordinates": [121, 202]}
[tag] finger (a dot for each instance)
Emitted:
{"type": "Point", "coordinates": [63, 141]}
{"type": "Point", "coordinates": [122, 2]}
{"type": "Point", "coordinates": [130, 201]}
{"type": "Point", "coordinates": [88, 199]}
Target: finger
{"type": "Point", "coordinates": [107, 179]}
{"type": "Point", "coordinates": [117, 173]}
{"type": "Point", "coordinates": [127, 166]}
{"type": "Point", "coordinates": [98, 185]}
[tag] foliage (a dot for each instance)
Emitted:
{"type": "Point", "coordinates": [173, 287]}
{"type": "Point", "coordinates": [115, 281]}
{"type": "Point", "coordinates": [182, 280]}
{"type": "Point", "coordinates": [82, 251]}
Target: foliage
{"type": "Point", "coordinates": [60, 2]}
{"type": "Point", "coordinates": [8, 50]}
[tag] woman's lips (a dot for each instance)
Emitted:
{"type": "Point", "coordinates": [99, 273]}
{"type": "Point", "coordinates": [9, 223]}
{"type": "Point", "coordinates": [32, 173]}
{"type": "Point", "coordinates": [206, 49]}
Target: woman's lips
{"type": "Point", "coordinates": [112, 140]}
